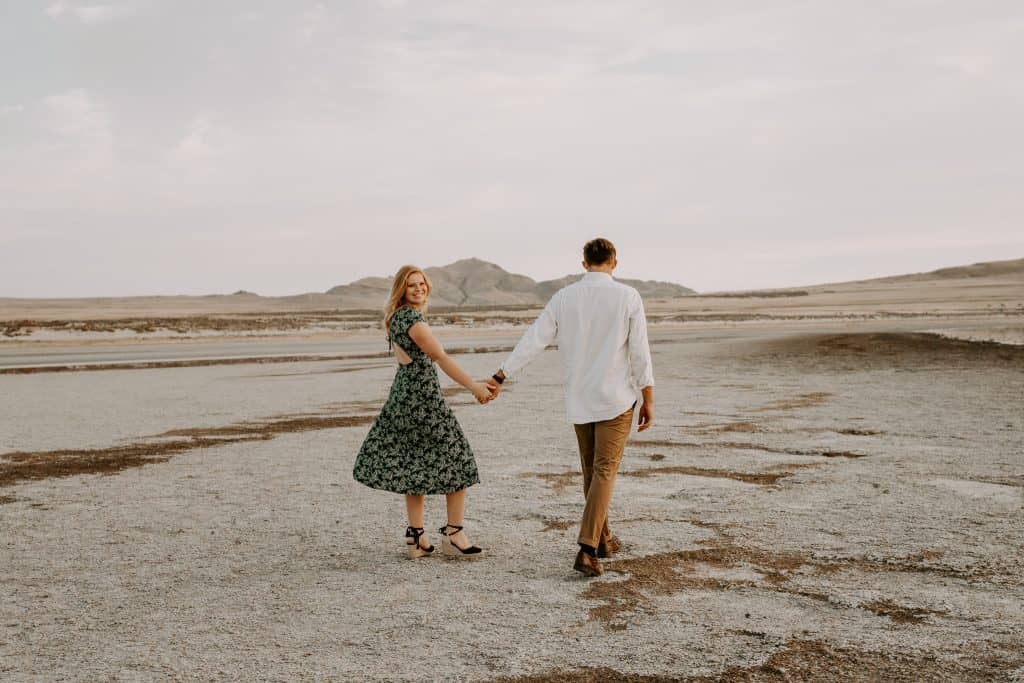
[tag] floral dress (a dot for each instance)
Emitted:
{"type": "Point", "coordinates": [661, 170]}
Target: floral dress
{"type": "Point", "coordinates": [415, 446]}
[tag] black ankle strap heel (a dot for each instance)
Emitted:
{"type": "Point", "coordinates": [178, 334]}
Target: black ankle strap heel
{"type": "Point", "coordinates": [449, 548]}
{"type": "Point", "coordinates": [415, 550]}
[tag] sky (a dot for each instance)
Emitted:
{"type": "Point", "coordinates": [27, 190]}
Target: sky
{"type": "Point", "coordinates": [195, 147]}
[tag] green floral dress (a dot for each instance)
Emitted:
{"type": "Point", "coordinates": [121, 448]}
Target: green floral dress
{"type": "Point", "coordinates": [415, 445]}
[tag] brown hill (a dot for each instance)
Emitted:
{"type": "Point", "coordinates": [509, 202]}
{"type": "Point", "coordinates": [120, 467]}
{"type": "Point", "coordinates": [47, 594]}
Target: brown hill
{"type": "Point", "coordinates": [1013, 269]}
{"type": "Point", "coordinates": [473, 282]}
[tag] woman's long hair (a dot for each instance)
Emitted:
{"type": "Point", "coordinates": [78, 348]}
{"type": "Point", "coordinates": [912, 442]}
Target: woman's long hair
{"type": "Point", "coordinates": [397, 298]}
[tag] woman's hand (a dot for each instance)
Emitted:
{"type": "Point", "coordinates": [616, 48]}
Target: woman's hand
{"type": "Point", "coordinates": [481, 392]}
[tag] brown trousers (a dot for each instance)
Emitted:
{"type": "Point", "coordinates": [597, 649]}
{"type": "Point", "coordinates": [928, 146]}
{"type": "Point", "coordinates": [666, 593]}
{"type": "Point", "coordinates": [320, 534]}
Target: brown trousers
{"type": "Point", "coordinates": [601, 446]}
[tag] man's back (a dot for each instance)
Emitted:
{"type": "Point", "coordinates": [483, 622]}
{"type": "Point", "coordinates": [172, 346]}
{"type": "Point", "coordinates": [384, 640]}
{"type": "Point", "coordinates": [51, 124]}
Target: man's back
{"type": "Point", "coordinates": [601, 332]}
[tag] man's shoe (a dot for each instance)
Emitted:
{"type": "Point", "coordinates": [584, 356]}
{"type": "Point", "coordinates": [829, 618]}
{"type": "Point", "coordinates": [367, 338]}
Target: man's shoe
{"type": "Point", "coordinates": [609, 547]}
{"type": "Point", "coordinates": [587, 565]}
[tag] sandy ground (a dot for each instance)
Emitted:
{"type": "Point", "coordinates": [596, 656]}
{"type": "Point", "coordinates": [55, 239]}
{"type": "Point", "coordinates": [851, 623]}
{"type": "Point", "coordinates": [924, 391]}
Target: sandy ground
{"type": "Point", "coordinates": [840, 503]}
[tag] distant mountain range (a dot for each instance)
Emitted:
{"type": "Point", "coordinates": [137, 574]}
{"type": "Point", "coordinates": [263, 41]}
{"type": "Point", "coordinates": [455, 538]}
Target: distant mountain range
{"type": "Point", "coordinates": [466, 283]}
{"type": "Point", "coordinates": [985, 269]}
{"type": "Point", "coordinates": [473, 282]}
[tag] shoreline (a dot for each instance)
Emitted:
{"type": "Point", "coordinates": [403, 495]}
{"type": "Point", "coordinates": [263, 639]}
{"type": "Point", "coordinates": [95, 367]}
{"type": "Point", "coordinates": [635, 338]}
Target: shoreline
{"type": "Point", "coordinates": [124, 335]}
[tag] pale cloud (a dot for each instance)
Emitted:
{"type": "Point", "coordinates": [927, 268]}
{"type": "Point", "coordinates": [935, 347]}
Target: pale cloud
{"type": "Point", "coordinates": [81, 124]}
{"type": "Point", "coordinates": [95, 14]}
{"type": "Point", "coordinates": [73, 112]}
{"type": "Point", "coordinates": [312, 22]}
{"type": "Point", "coordinates": [87, 14]}
{"type": "Point", "coordinates": [195, 146]}
{"type": "Point", "coordinates": [978, 66]}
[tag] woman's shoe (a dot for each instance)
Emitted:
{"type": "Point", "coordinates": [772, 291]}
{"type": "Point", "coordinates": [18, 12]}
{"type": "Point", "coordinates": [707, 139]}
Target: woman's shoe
{"type": "Point", "coordinates": [414, 548]}
{"type": "Point", "coordinates": [452, 550]}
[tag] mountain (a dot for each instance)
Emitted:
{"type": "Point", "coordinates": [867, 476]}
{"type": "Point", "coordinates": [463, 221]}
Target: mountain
{"type": "Point", "coordinates": [473, 282]}
{"type": "Point", "coordinates": [1013, 269]}
{"type": "Point", "coordinates": [649, 289]}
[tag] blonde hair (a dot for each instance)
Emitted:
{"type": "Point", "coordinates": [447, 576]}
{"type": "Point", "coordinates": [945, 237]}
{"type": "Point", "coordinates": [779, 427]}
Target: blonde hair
{"type": "Point", "coordinates": [397, 298]}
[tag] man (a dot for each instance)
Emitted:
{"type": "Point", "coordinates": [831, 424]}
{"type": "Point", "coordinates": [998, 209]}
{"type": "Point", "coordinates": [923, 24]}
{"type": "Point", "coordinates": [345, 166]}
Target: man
{"type": "Point", "coordinates": [602, 338]}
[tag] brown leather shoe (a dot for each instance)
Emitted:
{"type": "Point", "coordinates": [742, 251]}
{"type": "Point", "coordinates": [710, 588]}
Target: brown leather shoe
{"type": "Point", "coordinates": [587, 565]}
{"type": "Point", "coordinates": [609, 547]}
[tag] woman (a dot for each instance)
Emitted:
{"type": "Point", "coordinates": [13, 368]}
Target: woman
{"type": "Point", "coordinates": [415, 446]}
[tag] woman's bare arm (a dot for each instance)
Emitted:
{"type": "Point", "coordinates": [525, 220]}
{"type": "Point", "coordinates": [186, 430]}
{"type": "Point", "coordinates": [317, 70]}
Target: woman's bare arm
{"type": "Point", "coordinates": [425, 339]}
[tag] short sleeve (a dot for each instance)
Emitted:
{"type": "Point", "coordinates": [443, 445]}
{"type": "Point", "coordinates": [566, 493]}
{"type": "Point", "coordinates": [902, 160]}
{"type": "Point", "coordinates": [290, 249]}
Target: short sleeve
{"type": "Point", "coordinates": [403, 319]}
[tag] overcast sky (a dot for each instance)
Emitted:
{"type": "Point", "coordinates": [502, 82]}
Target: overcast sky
{"type": "Point", "coordinates": [195, 147]}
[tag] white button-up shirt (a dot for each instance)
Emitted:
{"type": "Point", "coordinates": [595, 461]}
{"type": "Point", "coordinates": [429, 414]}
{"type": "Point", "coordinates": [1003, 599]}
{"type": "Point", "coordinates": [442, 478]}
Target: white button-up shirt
{"type": "Point", "coordinates": [601, 331]}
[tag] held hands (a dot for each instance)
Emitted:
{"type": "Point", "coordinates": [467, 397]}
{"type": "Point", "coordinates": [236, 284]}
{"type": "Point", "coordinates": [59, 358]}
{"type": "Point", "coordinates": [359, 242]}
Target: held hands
{"type": "Point", "coordinates": [483, 392]}
{"type": "Point", "coordinates": [493, 385]}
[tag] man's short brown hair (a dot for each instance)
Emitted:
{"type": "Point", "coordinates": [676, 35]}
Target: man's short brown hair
{"type": "Point", "coordinates": [598, 251]}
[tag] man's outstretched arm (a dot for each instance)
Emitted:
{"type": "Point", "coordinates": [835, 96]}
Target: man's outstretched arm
{"type": "Point", "coordinates": [541, 334]}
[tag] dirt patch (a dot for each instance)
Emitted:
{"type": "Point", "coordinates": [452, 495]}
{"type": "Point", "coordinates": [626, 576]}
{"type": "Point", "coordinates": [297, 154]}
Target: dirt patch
{"type": "Point", "coordinates": [4, 500]}
{"type": "Point", "coordinates": [24, 466]}
{"type": "Point", "coordinates": [724, 428]}
{"type": "Point", "coordinates": [828, 454]}
{"type": "Point", "coordinates": [196, 363]}
{"type": "Point", "coordinates": [181, 325]}
{"type": "Point", "coordinates": [559, 481]}
{"type": "Point", "coordinates": [859, 432]}
{"type": "Point", "coordinates": [558, 524]}
{"type": "Point", "coordinates": [21, 466]}
{"type": "Point", "coordinates": [811, 400]}
{"type": "Point", "coordinates": [667, 573]}
{"type": "Point", "coordinates": [588, 674]}
{"type": "Point", "coordinates": [654, 443]}
{"type": "Point", "coordinates": [351, 368]}
{"type": "Point", "coordinates": [357, 368]}
{"type": "Point", "coordinates": [271, 428]}
{"type": "Point", "coordinates": [904, 350]}
{"type": "Point", "coordinates": [819, 453]}
{"type": "Point", "coordinates": [721, 563]}
{"type": "Point", "coordinates": [352, 406]}
{"type": "Point", "coordinates": [762, 479]}
{"type": "Point", "coordinates": [811, 660]}
{"type": "Point", "coordinates": [899, 613]}
{"type": "Point", "coordinates": [1012, 480]}
{"type": "Point", "coordinates": [203, 362]}
{"type": "Point", "coordinates": [918, 563]}
{"type": "Point", "coordinates": [786, 466]}
{"type": "Point", "coordinates": [741, 445]}
{"type": "Point", "coordinates": [655, 457]}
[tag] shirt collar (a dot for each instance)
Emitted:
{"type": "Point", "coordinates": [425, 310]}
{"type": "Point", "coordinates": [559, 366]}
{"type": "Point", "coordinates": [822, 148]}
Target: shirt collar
{"type": "Point", "coordinates": [596, 275]}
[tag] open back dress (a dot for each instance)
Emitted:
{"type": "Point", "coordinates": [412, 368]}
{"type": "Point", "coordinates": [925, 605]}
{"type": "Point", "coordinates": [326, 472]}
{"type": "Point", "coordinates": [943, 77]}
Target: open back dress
{"type": "Point", "coordinates": [415, 446]}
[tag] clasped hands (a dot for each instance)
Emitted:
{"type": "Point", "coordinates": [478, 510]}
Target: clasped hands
{"type": "Point", "coordinates": [486, 390]}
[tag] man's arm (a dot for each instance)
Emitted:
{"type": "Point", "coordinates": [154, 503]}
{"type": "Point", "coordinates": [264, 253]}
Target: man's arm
{"type": "Point", "coordinates": [640, 363]}
{"type": "Point", "coordinates": [541, 334]}
{"type": "Point", "coordinates": [646, 409]}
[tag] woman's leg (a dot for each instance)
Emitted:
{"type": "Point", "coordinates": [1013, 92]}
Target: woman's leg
{"type": "Point", "coordinates": [456, 503]}
{"type": "Point", "coordinates": [414, 510]}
